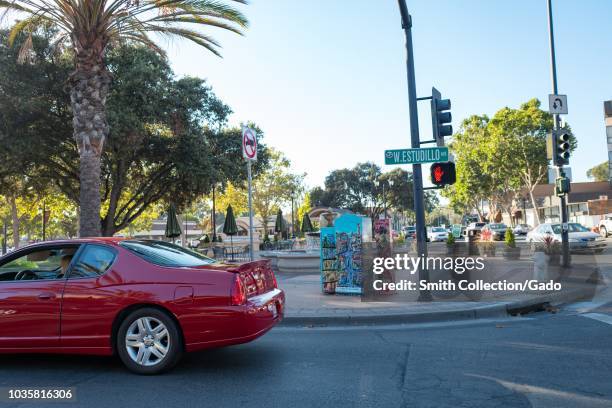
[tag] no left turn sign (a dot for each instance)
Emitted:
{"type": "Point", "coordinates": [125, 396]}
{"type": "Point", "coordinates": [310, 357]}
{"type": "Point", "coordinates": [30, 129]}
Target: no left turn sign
{"type": "Point", "coordinates": [249, 144]}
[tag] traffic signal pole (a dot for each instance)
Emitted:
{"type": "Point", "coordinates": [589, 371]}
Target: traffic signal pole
{"type": "Point", "coordinates": [557, 125]}
{"type": "Point", "coordinates": [419, 208]}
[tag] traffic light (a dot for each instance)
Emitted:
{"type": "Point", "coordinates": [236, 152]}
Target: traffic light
{"type": "Point", "coordinates": [443, 174]}
{"type": "Point", "coordinates": [558, 147]}
{"type": "Point", "coordinates": [440, 117]}
{"type": "Point", "coordinates": [562, 148]}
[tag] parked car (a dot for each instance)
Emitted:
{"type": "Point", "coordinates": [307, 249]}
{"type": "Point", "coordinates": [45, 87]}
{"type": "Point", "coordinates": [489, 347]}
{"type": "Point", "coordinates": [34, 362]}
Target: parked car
{"type": "Point", "coordinates": [410, 232]}
{"type": "Point", "coordinates": [146, 301]}
{"type": "Point", "coordinates": [472, 231]}
{"type": "Point", "coordinates": [605, 226]}
{"type": "Point", "coordinates": [436, 234]}
{"type": "Point", "coordinates": [521, 229]}
{"type": "Point", "coordinates": [580, 238]}
{"type": "Point", "coordinates": [498, 230]}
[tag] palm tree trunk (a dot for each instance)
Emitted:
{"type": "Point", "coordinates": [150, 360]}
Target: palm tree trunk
{"type": "Point", "coordinates": [90, 83]}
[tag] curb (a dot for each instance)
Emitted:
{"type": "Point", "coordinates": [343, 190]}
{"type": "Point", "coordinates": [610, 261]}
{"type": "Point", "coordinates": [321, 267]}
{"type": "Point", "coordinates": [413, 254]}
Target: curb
{"type": "Point", "coordinates": [498, 310]}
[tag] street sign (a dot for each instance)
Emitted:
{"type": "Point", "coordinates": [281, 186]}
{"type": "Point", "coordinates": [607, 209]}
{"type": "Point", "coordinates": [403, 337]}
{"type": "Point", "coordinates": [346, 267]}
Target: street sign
{"type": "Point", "coordinates": [456, 230]}
{"type": "Point", "coordinates": [416, 156]}
{"type": "Point", "coordinates": [557, 104]}
{"type": "Point", "coordinates": [249, 144]}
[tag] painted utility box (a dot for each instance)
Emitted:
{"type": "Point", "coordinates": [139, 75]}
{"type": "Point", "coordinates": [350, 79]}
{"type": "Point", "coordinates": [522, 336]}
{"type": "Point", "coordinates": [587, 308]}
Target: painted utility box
{"type": "Point", "coordinates": [341, 256]}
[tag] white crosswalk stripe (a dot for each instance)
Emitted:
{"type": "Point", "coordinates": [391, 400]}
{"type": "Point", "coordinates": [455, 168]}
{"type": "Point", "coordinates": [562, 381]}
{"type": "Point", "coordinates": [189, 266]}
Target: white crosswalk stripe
{"type": "Point", "coordinates": [599, 317]}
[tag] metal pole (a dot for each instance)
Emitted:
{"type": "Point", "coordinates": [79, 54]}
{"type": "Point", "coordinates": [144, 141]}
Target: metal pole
{"type": "Point", "coordinates": [292, 220]}
{"type": "Point", "coordinates": [5, 233]}
{"type": "Point", "coordinates": [250, 211]}
{"type": "Point", "coordinates": [419, 208]}
{"type": "Point", "coordinates": [560, 173]}
{"type": "Point", "coordinates": [384, 200]}
{"type": "Point", "coordinates": [213, 220]}
{"type": "Point", "coordinates": [44, 221]}
{"type": "Point", "coordinates": [186, 232]}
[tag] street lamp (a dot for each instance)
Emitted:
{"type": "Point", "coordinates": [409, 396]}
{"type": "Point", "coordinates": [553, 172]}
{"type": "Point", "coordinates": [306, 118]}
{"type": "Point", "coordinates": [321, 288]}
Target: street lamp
{"type": "Point", "coordinates": [213, 221]}
{"type": "Point", "coordinates": [292, 218]}
{"type": "Point", "coordinates": [379, 183]}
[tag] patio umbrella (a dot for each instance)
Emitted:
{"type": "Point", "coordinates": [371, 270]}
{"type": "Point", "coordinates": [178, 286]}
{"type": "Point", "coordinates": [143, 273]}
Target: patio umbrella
{"type": "Point", "coordinates": [173, 228]}
{"type": "Point", "coordinates": [230, 228]}
{"type": "Point", "coordinates": [279, 225]}
{"type": "Point", "coordinates": [306, 224]}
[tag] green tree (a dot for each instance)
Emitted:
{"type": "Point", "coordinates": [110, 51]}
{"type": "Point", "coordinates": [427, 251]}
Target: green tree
{"type": "Point", "coordinates": [599, 172]}
{"type": "Point", "coordinates": [87, 28]}
{"type": "Point", "coordinates": [167, 141]}
{"type": "Point", "coordinates": [473, 184]}
{"type": "Point", "coordinates": [237, 197]}
{"type": "Point", "coordinates": [356, 189]}
{"type": "Point", "coordinates": [518, 147]}
{"type": "Point", "coordinates": [498, 158]}
{"type": "Point", "coordinates": [274, 185]}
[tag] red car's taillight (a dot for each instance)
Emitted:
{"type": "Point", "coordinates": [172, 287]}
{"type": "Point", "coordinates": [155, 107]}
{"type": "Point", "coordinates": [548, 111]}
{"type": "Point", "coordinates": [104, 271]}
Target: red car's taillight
{"type": "Point", "coordinates": [238, 293]}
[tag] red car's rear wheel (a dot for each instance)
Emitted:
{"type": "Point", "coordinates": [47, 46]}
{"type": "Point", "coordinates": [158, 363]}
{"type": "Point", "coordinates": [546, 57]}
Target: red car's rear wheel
{"type": "Point", "coordinates": [148, 341]}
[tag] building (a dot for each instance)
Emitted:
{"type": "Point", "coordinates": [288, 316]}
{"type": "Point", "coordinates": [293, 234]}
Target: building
{"type": "Point", "coordinates": [588, 203]}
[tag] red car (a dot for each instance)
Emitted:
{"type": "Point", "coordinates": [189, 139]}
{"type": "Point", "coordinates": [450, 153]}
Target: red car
{"type": "Point", "coordinates": [147, 301]}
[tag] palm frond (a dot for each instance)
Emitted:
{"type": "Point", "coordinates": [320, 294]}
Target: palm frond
{"type": "Point", "coordinates": [86, 22]}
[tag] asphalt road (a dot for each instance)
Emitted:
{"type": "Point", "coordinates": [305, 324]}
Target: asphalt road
{"type": "Point", "coordinates": [541, 360]}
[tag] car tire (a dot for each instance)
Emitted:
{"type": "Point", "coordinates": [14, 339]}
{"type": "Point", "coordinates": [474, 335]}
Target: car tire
{"type": "Point", "coordinates": [149, 341]}
{"type": "Point", "coordinates": [603, 232]}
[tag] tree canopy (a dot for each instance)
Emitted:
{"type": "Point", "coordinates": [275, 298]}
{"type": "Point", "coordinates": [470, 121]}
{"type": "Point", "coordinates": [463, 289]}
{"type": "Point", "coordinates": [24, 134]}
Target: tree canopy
{"type": "Point", "coordinates": [500, 158]}
{"type": "Point", "coordinates": [168, 139]}
{"type": "Point", "coordinates": [356, 189]}
{"type": "Point", "coordinates": [599, 172]}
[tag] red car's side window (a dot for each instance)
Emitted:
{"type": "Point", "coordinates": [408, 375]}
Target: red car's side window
{"type": "Point", "coordinates": [93, 261]}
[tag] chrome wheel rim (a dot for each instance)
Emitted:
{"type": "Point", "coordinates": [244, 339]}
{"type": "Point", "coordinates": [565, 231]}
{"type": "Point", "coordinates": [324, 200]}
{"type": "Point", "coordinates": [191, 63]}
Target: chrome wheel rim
{"type": "Point", "coordinates": [147, 341]}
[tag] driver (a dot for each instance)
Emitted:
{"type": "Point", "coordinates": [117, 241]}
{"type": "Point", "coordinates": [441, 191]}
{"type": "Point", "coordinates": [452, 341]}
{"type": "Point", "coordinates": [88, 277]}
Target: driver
{"type": "Point", "coordinates": [64, 263]}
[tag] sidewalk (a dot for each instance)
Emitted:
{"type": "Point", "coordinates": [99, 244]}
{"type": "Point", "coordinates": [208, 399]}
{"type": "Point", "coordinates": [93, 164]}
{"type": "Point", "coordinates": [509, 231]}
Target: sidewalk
{"type": "Point", "coordinates": [307, 306]}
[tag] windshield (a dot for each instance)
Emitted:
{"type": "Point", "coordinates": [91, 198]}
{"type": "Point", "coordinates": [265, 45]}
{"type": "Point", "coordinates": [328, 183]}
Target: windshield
{"type": "Point", "coordinates": [571, 227]}
{"type": "Point", "coordinates": [438, 229]}
{"type": "Point", "coordinates": [165, 254]}
{"type": "Point", "coordinates": [497, 226]}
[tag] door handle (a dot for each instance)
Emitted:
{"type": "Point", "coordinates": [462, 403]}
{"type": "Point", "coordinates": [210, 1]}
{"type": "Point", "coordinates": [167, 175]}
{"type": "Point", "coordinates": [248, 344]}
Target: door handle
{"type": "Point", "coordinates": [46, 296]}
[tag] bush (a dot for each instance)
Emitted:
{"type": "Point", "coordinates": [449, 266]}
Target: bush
{"type": "Point", "coordinates": [401, 239]}
{"type": "Point", "coordinates": [206, 240]}
{"type": "Point", "coordinates": [450, 239]}
{"type": "Point", "coordinates": [509, 238]}
{"type": "Point", "coordinates": [219, 239]}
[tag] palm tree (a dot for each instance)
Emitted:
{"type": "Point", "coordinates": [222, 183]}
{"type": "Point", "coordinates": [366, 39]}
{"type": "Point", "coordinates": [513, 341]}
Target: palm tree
{"type": "Point", "coordinates": [88, 27]}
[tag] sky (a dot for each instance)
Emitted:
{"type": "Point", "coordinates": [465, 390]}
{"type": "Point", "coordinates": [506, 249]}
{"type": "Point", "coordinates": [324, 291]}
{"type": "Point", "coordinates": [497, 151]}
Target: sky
{"type": "Point", "coordinates": [326, 79]}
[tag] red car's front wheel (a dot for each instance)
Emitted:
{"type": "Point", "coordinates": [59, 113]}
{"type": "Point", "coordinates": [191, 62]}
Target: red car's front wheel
{"type": "Point", "coordinates": [148, 341]}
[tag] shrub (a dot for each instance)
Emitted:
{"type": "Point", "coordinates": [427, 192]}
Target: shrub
{"type": "Point", "coordinates": [509, 239]}
{"type": "Point", "coordinates": [450, 240]}
{"type": "Point", "coordinates": [206, 240]}
{"type": "Point", "coordinates": [219, 239]}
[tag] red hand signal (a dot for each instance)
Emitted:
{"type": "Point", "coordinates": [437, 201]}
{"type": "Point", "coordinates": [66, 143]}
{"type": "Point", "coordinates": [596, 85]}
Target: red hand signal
{"type": "Point", "coordinates": [438, 173]}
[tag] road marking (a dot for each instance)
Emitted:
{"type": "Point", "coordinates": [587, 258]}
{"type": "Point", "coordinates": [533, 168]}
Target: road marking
{"type": "Point", "coordinates": [584, 307]}
{"type": "Point", "coordinates": [599, 317]}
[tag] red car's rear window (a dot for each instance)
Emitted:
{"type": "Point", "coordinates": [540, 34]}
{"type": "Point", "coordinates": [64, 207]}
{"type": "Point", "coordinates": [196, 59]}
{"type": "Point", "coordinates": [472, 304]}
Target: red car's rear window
{"type": "Point", "coordinates": [165, 254]}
